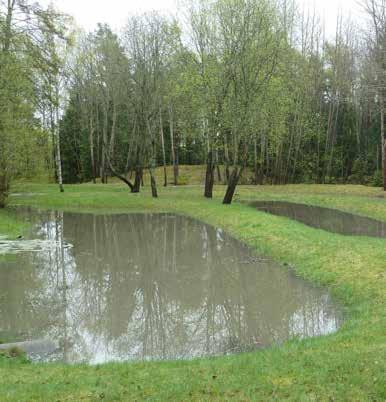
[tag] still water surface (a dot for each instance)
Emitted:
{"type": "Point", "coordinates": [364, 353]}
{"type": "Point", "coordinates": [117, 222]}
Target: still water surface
{"type": "Point", "coordinates": [328, 219]}
{"type": "Point", "coordinates": [142, 287]}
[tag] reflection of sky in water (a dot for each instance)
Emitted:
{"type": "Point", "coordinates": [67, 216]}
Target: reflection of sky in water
{"type": "Point", "coordinates": [328, 219]}
{"type": "Point", "coordinates": [140, 287]}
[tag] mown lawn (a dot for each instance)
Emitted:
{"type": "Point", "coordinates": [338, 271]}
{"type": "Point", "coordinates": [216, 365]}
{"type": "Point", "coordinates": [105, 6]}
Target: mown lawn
{"type": "Point", "coordinates": [347, 366]}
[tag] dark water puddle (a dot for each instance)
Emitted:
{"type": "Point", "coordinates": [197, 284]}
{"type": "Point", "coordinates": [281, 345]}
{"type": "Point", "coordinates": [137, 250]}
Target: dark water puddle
{"type": "Point", "coordinates": [143, 287]}
{"type": "Point", "coordinates": [331, 220]}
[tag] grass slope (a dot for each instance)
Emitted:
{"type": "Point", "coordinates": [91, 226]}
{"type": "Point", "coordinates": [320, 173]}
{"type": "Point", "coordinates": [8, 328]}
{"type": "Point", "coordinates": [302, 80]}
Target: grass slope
{"type": "Point", "coordinates": [347, 366]}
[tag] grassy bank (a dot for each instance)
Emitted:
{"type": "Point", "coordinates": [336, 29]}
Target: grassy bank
{"type": "Point", "coordinates": [349, 365]}
{"type": "Point", "coordinates": [9, 226]}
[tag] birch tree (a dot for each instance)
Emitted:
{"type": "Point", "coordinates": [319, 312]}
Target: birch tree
{"type": "Point", "coordinates": [376, 10]}
{"type": "Point", "coordinates": [24, 58]}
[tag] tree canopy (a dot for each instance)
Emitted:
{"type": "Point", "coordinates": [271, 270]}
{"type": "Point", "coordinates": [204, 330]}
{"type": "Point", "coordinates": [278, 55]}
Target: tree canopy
{"type": "Point", "coordinates": [251, 88]}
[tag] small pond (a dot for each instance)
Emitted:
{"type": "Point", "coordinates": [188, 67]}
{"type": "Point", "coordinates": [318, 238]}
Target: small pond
{"type": "Point", "coordinates": [145, 287]}
{"type": "Point", "coordinates": [327, 219]}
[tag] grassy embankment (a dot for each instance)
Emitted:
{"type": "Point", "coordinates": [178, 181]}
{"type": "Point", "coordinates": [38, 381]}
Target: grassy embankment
{"type": "Point", "coordinates": [349, 365]}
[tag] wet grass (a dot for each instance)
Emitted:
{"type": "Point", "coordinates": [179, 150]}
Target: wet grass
{"type": "Point", "coordinates": [13, 353]}
{"type": "Point", "coordinates": [10, 227]}
{"type": "Point", "coordinates": [347, 366]}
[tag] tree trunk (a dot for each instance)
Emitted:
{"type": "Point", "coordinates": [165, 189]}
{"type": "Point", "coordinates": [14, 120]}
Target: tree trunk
{"type": "Point", "coordinates": [383, 139]}
{"type": "Point", "coordinates": [153, 184]}
{"type": "Point", "coordinates": [226, 157]}
{"type": "Point", "coordinates": [318, 172]}
{"type": "Point", "coordinates": [209, 177]}
{"type": "Point", "coordinates": [152, 161]}
{"type": "Point", "coordinates": [112, 137]}
{"type": "Point", "coordinates": [384, 163]}
{"type": "Point", "coordinates": [8, 25]}
{"type": "Point", "coordinates": [59, 163]}
{"type": "Point", "coordinates": [120, 177]}
{"type": "Point", "coordinates": [128, 166]}
{"type": "Point", "coordinates": [137, 180]}
{"type": "Point", "coordinates": [97, 141]}
{"type": "Point", "coordinates": [176, 146]}
{"type": "Point", "coordinates": [333, 143]}
{"type": "Point", "coordinates": [262, 158]}
{"type": "Point", "coordinates": [255, 164]}
{"type": "Point", "coordinates": [4, 188]}
{"type": "Point", "coordinates": [104, 146]}
{"type": "Point", "coordinates": [91, 139]}
{"type": "Point", "coordinates": [296, 157]}
{"type": "Point", "coordinates": [232, 184]}
{"type": "Point", "coordinates": [219, 178]}
{"type": "Point", "coordinates": [174, 160]}
{"type": "Point", "coordinates": [57, 135]}
{"type": "Point", "coordinates": [163, 149]}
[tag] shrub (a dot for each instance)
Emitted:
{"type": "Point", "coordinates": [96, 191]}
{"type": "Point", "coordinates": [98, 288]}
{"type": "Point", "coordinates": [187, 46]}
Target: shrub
{"type": "Point", "coordinates": [183, 180]}
{"type": "Point", "coordinates": [359, 171]}
{"type": "Point", "coordinates": [377, 179]}
{"type": "Point", "coordinates": [12, 353]}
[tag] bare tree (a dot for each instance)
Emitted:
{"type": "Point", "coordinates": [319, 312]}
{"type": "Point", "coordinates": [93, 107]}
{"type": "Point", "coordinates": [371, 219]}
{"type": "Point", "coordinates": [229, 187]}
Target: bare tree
{"type": "Point", "coordinates": [148, 45]}
{"type": "Point", "coordinates": [376, 9]}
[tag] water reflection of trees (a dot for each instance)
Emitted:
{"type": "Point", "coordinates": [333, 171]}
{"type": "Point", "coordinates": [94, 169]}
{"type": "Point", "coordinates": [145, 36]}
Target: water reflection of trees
{"type": "Point", "coordinates": [331, 220]}
{"type": "Point", "coordinates": [155, 286]}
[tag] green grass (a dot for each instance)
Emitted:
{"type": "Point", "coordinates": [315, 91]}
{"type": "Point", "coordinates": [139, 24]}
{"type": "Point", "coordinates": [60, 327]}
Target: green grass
{"type": "Point", "coordinates": [10, 227]}
{"type": "Point", "coordinates": [347, 366]}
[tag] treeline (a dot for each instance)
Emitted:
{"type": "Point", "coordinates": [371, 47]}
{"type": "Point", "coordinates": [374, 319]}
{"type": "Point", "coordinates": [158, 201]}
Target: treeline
{"type": "Point", "coordinates": [235, 84]}
{"type": "Point", "coordinates": [32, 39]}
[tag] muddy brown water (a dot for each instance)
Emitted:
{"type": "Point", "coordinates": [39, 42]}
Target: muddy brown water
{"type": "Point", "coordinates": [151, 287]}
{"type": "Point", "coordinates": [327, 219]}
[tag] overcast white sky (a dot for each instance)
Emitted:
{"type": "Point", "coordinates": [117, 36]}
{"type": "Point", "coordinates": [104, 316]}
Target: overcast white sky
{"type": "Point", "coordinates": [89, 12]}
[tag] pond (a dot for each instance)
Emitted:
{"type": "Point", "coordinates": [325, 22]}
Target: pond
{"type": "Point", "coordinates": [327, 219]}
{"type": "Point", "coordinates": [149, 287]}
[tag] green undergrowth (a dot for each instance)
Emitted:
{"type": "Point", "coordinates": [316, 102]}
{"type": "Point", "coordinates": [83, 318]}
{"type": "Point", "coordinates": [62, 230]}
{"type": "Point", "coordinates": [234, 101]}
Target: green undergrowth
{"type": "Point", "coordinates": [346, 366]}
